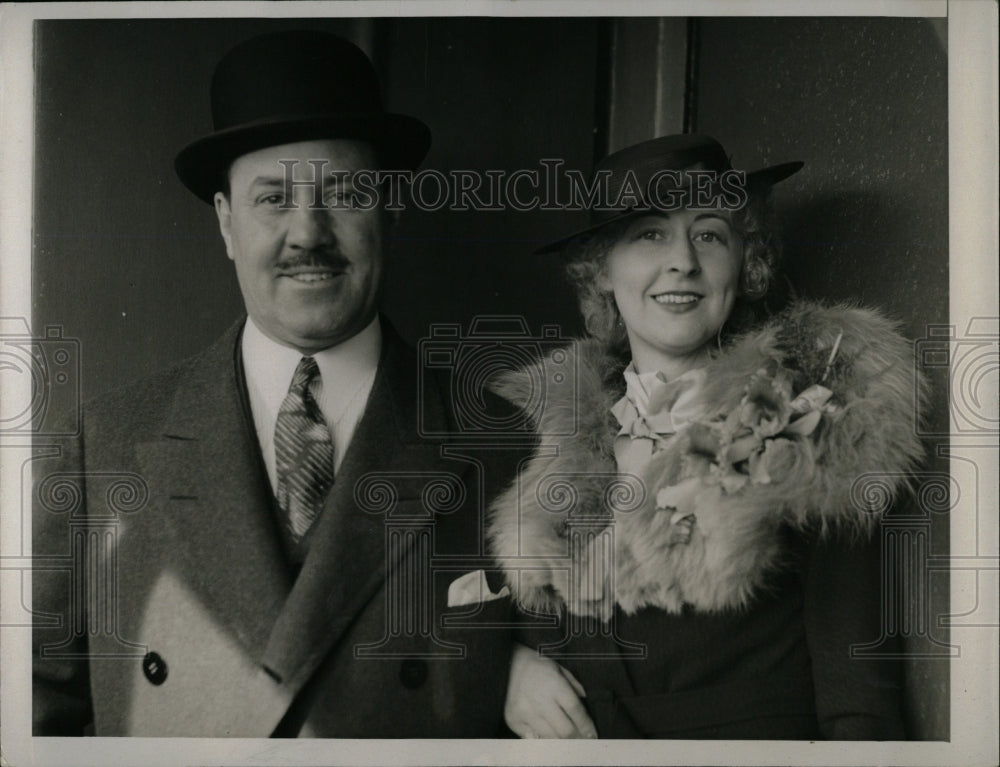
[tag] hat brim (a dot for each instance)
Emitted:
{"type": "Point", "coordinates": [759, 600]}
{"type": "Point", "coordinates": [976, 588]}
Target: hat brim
{"type": "Point", "coordinates": [756, 181]}
{"type": "Point", "coordinates": [401, 141]}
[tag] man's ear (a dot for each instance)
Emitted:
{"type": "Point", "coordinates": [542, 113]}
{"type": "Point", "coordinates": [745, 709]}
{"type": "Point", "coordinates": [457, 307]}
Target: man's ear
{"type": "Point", "coordinates": [225, 215]}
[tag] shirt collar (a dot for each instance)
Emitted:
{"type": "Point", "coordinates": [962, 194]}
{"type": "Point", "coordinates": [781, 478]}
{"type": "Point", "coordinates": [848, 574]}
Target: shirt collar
{"type": "Point", "coordinates": [344, 368]}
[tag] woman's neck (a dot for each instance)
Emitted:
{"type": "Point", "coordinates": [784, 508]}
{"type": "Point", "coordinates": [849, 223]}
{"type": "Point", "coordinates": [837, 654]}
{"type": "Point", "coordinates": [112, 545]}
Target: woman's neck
{"type": "Point", "coordinates": [672, 366]}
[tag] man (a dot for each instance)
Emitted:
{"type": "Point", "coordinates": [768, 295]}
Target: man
{"type": "Point", "coordinates": [274, 565]}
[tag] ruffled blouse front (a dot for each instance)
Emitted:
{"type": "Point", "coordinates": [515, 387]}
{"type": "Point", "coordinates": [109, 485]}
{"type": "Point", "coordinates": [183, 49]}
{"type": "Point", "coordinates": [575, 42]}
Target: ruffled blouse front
{"type": "Point", "coordinates": [652, 410]}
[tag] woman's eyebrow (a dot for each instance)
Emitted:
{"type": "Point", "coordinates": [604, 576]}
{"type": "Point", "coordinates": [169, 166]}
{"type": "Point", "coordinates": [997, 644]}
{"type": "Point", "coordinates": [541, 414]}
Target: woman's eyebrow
{"type": "Point", "coordinates": [712, 214]}
{"type": "Point", "coordinates": [653, 215]}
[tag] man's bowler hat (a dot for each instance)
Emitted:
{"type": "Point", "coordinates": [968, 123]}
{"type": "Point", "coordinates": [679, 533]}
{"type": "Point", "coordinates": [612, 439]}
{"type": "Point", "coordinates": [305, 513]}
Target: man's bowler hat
{"type": "Point", "coordinates": [293, 86]}
{"type": "Point", "coordinates": [668, 172]}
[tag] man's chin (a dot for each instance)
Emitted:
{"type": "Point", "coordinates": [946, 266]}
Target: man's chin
{"type": "Point", "coordinates": [316, 336]}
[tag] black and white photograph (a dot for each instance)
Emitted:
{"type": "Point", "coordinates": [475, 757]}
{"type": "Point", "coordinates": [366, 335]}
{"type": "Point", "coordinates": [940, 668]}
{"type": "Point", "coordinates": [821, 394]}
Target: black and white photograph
{"type": "Point", "coordinates": [474, 383]}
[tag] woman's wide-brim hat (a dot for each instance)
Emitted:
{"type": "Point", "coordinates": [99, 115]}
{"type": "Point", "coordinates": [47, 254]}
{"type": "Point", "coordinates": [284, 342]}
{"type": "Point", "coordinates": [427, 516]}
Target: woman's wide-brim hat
{"type": "Point", "coordinates": [685, 170]}
{"type": "Point", "coordinates": [294, 86]}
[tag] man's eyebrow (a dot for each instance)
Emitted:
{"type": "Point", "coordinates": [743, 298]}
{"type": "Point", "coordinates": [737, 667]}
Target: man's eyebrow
{"type": "Point", "coordinates": [268, 181]}
{"type": "Point", "coordinates": [278, 182]}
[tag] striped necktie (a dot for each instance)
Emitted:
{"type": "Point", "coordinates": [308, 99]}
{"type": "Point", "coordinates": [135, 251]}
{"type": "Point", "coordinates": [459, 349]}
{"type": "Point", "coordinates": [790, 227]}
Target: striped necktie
{"type": "Point", "coordinates": [303, 452]}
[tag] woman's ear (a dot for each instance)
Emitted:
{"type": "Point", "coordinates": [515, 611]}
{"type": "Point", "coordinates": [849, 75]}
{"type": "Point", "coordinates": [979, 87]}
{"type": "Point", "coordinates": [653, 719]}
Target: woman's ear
{"type": "Point", "coordinates": [741, 281]}
{"type": "Point", "coordinates": [754, 277]}
{"type": "Point", "coordinates": [603, 281]}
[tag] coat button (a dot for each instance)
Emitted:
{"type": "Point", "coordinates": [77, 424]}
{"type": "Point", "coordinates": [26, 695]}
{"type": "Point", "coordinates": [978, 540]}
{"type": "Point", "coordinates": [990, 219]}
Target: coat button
{"type": "Point", "coordinates": [413, 673]}
{"type": "Point", "coordinates": [154, 667]}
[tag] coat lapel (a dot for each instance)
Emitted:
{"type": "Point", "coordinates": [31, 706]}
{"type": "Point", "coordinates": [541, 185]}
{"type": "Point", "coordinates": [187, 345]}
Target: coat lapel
{"type": "Point", "coordinates": [348, 558]}
{"type": "Point", "coordinates": [206, 466]}
{"type": "Point", "coordinates": [217, 496]}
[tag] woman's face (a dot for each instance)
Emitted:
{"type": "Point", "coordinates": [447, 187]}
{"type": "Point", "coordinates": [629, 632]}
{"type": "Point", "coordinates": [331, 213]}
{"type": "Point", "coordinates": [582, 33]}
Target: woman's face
{"type": "Point", "coordinates": [675, 277]}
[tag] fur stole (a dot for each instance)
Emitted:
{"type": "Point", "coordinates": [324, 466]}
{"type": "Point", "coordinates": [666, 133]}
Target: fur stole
{"type": "Point", "coordinates": [572, 530]}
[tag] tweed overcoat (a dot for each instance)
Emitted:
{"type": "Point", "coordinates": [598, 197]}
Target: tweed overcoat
{"type": "Point", "coordinates": [165, 604]}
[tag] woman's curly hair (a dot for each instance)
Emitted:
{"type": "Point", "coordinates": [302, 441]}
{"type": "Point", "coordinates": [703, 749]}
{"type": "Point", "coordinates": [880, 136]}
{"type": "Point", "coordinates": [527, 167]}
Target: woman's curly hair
{"type": "Point", "coordinates": [587, 261]}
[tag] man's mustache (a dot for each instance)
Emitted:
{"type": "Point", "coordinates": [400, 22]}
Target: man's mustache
{"type": "Point", "coordinates": [322, 258]}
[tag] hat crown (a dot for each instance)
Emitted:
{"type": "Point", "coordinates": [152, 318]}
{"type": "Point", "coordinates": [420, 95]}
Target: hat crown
{"type": "Point", "coordinates": [291, 86]}
{"type": "Point", "coordinates": [293, 73]}
{"type": "Point", "coordinates": [686, 151]}
{"type": "Point", "coordinates": [645, 176]}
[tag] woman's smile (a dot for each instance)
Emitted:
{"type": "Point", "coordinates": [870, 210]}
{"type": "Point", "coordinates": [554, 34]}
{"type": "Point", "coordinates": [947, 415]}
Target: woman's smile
{"type": "Point", "coordinates": [678, 301]}
{"type": "Point", "coordinates": [675, 278]}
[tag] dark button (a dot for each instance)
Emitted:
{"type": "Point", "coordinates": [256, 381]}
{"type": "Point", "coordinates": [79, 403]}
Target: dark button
{"type": "Point", "coordinates": [154, 667]}
{"type": "Point", "coordinates": [413, 673]}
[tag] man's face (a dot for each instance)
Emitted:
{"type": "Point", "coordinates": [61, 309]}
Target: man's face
{"type": "Point", "coordinates": [310, 277]}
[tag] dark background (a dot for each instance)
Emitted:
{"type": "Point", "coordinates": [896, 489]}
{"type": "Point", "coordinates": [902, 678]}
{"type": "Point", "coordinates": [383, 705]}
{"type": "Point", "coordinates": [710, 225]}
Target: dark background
{"type": "Point", "coordinates": [131, 264]}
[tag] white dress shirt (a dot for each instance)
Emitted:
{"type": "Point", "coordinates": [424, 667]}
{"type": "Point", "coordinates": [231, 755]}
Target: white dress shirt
{"type": "Point", "coordinates": [347, 372]}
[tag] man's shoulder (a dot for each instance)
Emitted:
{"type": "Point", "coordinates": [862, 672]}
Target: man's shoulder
{"type": "Point", "coordinates": [148, 398]}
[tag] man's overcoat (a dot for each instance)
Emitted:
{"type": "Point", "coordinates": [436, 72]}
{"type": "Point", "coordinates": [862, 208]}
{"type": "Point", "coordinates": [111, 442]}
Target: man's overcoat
{"type": "Point", "coordinates": [165, 603]}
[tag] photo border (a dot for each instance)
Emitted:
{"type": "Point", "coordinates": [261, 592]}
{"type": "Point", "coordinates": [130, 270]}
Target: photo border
{"type": "Point", "coordinates": [973, 172]}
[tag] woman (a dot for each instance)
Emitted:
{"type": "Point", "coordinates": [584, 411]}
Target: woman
{"type": "Point", "coordinates": [691, 510]}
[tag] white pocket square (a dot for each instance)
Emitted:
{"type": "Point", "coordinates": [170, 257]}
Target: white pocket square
{"type": "Point", "coordinates": [472, 589]}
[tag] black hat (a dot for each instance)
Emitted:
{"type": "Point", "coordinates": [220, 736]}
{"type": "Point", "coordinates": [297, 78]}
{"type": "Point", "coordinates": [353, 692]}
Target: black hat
{"type": "Point", "coordinates": [293, 86]}
{"type": "Point", "coordinates": [659, 170]}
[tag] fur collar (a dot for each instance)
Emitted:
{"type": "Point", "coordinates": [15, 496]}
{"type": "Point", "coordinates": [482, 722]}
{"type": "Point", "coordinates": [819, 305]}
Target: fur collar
{"type": "Point", "coordinates": [572, 530]}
